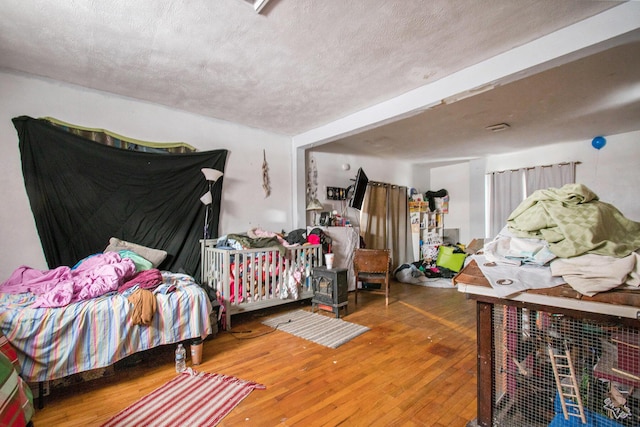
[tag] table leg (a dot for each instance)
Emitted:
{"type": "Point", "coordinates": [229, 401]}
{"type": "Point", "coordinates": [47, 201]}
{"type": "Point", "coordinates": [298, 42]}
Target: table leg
{"type": "Point", "coordinates": [484, 316]}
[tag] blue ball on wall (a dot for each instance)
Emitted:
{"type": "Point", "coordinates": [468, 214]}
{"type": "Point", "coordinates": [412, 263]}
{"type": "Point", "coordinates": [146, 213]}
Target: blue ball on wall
{"type": "Point", "coordinates": [599, 142]}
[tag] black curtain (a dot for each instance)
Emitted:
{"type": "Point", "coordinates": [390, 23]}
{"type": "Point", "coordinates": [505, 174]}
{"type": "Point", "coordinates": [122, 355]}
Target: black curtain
{"type": "Point", "coordinates": [82, 193]}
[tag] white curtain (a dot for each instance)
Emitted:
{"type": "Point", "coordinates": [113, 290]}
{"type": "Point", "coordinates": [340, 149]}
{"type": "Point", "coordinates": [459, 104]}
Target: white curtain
{"type": "Point", "coordinates": [384, 221]}
{"type": "Point", "coordinates": [506, 193]}
{"type": "Point", "coordinates": [549, 176]}
{"type": "Point", "coordinates": [507, 189]}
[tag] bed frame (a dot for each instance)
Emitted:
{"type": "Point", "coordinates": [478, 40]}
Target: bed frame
{"type": "Point", "coordinates": [253, 279]}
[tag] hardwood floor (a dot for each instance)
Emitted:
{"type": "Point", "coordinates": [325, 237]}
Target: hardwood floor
{"type": "Point", "coordinates": [415, 367]}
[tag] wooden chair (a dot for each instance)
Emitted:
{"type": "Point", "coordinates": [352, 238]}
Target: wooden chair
{"type": "Point", "coordinates": [372, 266]}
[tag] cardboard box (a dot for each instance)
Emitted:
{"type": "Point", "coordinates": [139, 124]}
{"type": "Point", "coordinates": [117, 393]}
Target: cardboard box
{"type": "Point", "coordinates": [474, 246]}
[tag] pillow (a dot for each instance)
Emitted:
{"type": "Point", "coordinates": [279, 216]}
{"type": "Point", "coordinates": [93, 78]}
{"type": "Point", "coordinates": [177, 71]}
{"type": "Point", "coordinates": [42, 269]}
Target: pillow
{"type": "Point", "coordinates": [141, 262]}
{"type": "Point", "coordinates": [156, 256]}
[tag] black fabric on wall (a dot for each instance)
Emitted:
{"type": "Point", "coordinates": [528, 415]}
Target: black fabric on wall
{"type": "Point", "coordinates": [82, 193]}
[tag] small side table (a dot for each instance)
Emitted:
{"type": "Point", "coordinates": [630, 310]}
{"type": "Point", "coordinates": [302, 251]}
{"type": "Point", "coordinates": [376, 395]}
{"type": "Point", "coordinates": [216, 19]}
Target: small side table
{"type": "Point", "coordinates": [330, 289]}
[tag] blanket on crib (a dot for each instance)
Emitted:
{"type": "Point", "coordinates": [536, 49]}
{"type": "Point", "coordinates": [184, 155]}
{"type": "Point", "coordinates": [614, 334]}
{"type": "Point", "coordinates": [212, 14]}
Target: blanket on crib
{"type": "Point", "coordinates": [574, 222]}
{"type": "Point", "coordinates": [240, 241]}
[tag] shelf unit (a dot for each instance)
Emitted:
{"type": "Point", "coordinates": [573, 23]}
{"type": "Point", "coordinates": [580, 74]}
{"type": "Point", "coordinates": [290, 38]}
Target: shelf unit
{"type": "Point", "coordinates": [427, 228]}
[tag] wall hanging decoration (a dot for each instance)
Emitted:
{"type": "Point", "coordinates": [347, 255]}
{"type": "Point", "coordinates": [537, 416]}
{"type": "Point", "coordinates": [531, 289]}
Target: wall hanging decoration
{"type": "Point", "coordinates": [266, 185]}
{"type": "Point", "coordinates": [336, 193]}
{"type": "Point", "coordinates": [313, 204]}
{"type": "Point", "coordinates": [312, 181]}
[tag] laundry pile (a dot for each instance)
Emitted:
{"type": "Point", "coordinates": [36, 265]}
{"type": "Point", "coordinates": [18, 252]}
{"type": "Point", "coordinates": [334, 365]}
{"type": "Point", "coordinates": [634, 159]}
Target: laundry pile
{"type": "Point", "coordinates": [438, 271]}
{"type": "Point", "coordinates": [560, 235]}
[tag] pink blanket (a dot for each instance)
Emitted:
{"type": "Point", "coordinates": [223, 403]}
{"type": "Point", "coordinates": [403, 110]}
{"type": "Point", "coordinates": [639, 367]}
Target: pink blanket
{"type": "Point", "coordinates": [94, 276]}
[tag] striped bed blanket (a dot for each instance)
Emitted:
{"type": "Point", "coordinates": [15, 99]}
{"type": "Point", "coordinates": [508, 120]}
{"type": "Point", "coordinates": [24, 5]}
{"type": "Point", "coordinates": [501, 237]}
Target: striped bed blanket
{"type": "Point", "coordinates": [57, 342]}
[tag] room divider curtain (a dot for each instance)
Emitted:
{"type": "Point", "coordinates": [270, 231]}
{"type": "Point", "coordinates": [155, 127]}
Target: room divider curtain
{"type": "Point", "coordinates": [373, 216]}
{"type": "Point", "coordinates": [384, 221]}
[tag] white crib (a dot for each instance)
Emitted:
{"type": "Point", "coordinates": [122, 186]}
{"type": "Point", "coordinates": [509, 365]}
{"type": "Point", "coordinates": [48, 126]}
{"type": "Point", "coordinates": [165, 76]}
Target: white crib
{"type": "Point", "coordinates": [252, 279]}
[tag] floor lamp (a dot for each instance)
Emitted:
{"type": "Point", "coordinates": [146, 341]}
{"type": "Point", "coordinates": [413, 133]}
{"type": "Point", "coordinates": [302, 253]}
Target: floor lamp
{"type": "Point", "coordinates": [211, 175]}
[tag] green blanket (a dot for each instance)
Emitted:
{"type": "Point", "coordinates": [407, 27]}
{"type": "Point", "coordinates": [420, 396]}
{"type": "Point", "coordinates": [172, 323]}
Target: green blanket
{"type": "Point", "coordinates": [574, 222]}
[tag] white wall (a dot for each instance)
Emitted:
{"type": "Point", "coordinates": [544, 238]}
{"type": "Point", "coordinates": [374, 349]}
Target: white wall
{"type": "Point", "coordinates": [243, 203]}
{"type": "Point", "coordinates": [454, 179]}
{"type": "Point", "coordinates": [332, 174]}
{"type": "Point", "coordinates": [612, 172]}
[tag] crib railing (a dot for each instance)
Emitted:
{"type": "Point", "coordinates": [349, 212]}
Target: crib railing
{"type": "Point", "coordinates": [251, 279]}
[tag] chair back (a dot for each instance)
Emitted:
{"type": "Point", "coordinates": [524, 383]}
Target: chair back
{"type": "Point", "coordinates": [372, 260]}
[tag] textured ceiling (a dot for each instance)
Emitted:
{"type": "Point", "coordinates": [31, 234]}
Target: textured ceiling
{"type": "Point", "coordinates": [297, 65]}
{"type": "Point", "coordinates": [595, 95]}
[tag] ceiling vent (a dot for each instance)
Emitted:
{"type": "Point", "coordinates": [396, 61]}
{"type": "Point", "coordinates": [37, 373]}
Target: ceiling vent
{"type": "Point", "coordinates": [498, 127]}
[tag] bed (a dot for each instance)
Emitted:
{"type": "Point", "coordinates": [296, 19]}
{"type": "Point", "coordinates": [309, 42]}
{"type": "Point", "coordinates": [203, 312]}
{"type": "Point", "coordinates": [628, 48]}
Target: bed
{"type": "Point", "coordinates": [256, 278]}
{"type": "Point", "coordinates": [78, 204]}
{"type": "Point", "coordinates": [55, 339]}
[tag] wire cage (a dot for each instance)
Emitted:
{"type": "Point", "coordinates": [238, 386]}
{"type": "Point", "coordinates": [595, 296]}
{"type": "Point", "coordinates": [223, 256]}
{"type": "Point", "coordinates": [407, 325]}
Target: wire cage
{"type": "Point", "coordinates": [551, 369]}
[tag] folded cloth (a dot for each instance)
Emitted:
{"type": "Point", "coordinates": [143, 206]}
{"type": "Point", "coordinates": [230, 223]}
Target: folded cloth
{"type": "Point", "coordinates": [509, 249]}
{"type": "Point", "coordinates": [590, 273]}
{"type": "Point", "coordinates": [144, 307]}
{"type": "Point", "coordinates": [146, 279]}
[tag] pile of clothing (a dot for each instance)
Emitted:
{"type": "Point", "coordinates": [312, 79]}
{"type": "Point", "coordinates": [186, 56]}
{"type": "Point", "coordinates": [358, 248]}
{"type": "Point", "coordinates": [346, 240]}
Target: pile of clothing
{"type": "Point", "coordinates": [585, 242]}
{"type": "Point", "coordinates": [449, 261]}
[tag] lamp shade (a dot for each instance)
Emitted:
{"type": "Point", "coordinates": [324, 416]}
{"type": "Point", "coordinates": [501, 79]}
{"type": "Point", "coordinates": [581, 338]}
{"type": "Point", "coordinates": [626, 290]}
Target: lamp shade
{"type": "Point", "coordinates": [315, 205]}
{"type": "Point", "coordinates": [206, 198]}
{"type": "Point", "coordinates": [211, 174]}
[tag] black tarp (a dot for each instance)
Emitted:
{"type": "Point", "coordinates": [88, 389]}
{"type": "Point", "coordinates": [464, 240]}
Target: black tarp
{"type": "Point", "coordinates": [82, 193]}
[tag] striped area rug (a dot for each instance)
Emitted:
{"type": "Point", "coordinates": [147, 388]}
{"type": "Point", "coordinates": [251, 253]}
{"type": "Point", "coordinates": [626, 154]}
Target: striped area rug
{"type": "Point", "coordinates": [323, 330]}
{"type": "Point", "coordinates": [209, 398]}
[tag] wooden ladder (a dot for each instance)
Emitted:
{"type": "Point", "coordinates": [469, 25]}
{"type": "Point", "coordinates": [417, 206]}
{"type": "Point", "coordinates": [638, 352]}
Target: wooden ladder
{"type": "Point", "coordinates": [569, 392]}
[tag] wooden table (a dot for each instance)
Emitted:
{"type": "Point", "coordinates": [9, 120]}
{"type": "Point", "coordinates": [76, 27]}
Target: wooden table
{"type": "Point", "coordinates": [616, 305]}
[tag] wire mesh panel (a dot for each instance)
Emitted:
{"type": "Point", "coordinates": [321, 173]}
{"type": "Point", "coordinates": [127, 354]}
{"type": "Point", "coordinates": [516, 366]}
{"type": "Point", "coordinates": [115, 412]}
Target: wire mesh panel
{"type": "Point", "coordinates": [556, 370]}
